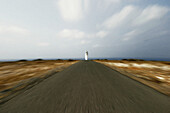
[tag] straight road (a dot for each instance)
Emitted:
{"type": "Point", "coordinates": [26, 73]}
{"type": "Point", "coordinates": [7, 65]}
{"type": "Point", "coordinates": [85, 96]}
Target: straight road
{"type": "Point", "coordinates": [88, 87]}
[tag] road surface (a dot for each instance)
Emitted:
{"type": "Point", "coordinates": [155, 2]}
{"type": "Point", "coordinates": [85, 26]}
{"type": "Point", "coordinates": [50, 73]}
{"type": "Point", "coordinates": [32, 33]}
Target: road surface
{"type": "Point", "coordinates": [88, 87]}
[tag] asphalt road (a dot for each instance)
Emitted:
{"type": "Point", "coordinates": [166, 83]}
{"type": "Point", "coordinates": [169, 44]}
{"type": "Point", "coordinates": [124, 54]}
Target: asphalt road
{"type": "Point", "coordinates": [88, 87]}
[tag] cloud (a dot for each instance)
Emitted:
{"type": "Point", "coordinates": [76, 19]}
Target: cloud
{"type": "Point", "coordinates": [96, 46]}
{"type": "Point", "coordinates": [13, 30]}
{"type": "Point", "coordinates": [114, 1]}
{"type": "Point", "coordinates": [133, 21]}
{"type": "Point", "coordinates": [133, 16]}
{"type": "Point", "coordinates": [119, 18]}
{"type": "Point", "coordinates": [43, 44]}
{"type": "Point", "coordinates": [85, 42]}
{"type": "Point", "coordinates": [131, 34]}
{"type": "Point", "coordinates": [104, 4]}
{"type": "Point", "coordinates": [151, 13]}
{"type": "Point", "coordinates": [77, 34]}
{"type": "Point", "coordinates": [101, 34]}
{"type": "Point", "coordinates": [71, 33]}
{"type": "Point", "coordinates": [86, 5]}
{"type": "Point", "coordinates": [73, 10]}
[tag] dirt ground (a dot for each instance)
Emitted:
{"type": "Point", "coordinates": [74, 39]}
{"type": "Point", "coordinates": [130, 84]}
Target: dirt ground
{"type": "Point", "coordinates": [155, 74]}
{"type": "Point", "coordinates": [14, 73]}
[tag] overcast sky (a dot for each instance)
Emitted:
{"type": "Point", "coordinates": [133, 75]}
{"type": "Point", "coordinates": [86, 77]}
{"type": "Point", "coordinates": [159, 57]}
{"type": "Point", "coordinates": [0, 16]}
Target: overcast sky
{"type": "Point", "coordinates": [66, 28]}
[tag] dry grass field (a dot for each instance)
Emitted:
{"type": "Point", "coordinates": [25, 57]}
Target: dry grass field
{"type": "Point", "coordinates": [155, 74]}
{"type": "Point", "coordinates": [18, 75]}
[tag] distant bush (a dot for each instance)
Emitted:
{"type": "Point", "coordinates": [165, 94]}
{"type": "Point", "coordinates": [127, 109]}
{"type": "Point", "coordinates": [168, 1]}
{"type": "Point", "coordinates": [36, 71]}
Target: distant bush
{"type": "Point", "coordinates": [38, 59]}
{"type": "Point", "coordinates": [124, 59]}
{"type": "Point", "coordinates": [59, 59]}
{"type": "Point", "coordinates": [70, 60]}
{"type": "Point", "coordinates": [101, 59]}
{"type": "Point", "coordinates": [133, 59]}
{"type": "Point", "coordinates": [168, 63]}
{"type": "Point", "coordinates": [22, 60]}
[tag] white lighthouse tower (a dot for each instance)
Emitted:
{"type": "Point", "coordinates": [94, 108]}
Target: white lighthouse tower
{"type": "Point", "coordinates": [86, 55]}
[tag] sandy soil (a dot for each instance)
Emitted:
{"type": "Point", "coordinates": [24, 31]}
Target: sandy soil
{"type": "Point", "coordinates": [23, 73]}
{"type": "Point", "coordinates": [155, 74]}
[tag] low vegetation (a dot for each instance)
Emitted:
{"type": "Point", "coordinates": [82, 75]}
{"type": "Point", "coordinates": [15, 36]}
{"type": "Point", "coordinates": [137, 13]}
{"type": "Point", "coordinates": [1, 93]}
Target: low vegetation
{"type": "Point", "coordinates": [22, 73]}
{"type": "Point", "coordinates": [155, 74]}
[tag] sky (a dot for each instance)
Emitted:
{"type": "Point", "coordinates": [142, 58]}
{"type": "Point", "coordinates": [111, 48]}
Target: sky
{"type": "Point", "coordinates": [66, 28]}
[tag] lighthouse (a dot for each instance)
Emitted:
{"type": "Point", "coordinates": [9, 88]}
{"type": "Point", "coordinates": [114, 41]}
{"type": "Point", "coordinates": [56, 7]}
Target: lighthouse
{"type": "Point", "coordinates": [86, 55]}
